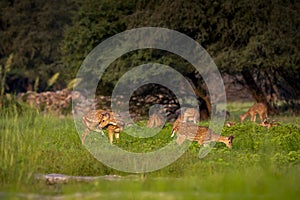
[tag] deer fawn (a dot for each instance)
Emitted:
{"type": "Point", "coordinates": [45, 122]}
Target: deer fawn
{"type": "Point", "coordinates": [95, 120]}
{"type": "Point", "coordinates": [201, 134]}
{"type": "Point", "coordinates": [111, 126]}
{"type": "Point", "coordinates": [258, 108]}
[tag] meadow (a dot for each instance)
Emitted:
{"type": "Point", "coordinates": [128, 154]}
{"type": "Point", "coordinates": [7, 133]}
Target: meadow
{"type": "Point", "coordinates": [263, 163]}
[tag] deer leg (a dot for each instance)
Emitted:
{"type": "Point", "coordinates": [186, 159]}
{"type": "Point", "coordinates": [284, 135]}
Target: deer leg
{"type": "Point", "coordinates": [117, 135]}
{"type": "Point", "coordinates": [110, 135]}
{"type": "Point", "coordinates": [266, 116]}
{"type": "Point", "coordinates": [253, 117]}
{"type": "Point", "coordinates": [86, 132]}
{"type": "Point", "coordinates": [195, 119]}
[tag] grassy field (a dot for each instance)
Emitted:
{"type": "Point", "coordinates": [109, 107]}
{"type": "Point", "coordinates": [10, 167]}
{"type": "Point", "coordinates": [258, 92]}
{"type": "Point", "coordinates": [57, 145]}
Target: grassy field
{"type": "Point", "coordinates": [263, 163]}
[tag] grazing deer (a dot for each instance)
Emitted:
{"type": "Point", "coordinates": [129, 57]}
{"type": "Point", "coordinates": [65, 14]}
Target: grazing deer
{"type": "Point", "coordinates": [258, 108]}
{"type": "Point", "coordinates": [230, 124]}
{"type": "Point", "coordinates": [268, 124]}
{"type": "Point", "coordinates": [155, 120]}
{"type": "Point", "coordinates": [191, 114]}
{"type": "Point", "coordinates": [201, 134]}
{"type": "Point", "coordinates": [95, 120]}
{"type": "Point", "coordinates": [111, 126]}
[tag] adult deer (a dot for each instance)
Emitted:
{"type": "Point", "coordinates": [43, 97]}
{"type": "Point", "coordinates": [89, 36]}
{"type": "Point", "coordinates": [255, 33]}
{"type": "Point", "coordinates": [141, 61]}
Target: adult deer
{"type": "Point", "coordinates": [258, 108]}
{"type": "Point", "coordinates": [201, 134]}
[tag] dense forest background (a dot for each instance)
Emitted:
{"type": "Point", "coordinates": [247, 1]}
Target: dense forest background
{"type": "Point", "coordinates": [255, 43]}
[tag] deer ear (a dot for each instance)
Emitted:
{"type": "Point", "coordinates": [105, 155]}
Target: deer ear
{"type": "Point", "coordinates": [106, 114]}
{"type": "Point", "coordinates": [231, 137]}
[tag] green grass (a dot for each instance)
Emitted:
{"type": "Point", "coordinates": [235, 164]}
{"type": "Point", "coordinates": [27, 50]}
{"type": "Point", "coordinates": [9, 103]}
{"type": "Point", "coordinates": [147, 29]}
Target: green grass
{"type": "Point", "coordinates": [263, 163]}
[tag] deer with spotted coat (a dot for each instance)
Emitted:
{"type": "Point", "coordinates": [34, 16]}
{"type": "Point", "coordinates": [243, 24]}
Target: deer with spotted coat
{"type": "Point", "coordinates": [96, 120]}
{"type": "Point", "coordinates": [201, 134]}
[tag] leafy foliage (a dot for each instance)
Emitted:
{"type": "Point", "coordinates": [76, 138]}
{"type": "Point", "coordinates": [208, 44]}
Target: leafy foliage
{"type": "Point", "coordinates": [256, 43]}
{"type": "Point", "coordinates": [253, 42]}
{"type": "Point", "coordinates": [32, 30]}
{"type": "Point", "coordinates": [93, 22]}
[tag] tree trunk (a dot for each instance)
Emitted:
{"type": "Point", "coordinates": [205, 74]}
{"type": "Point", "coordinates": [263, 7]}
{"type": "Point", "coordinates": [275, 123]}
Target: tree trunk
{"type": "Point", "coordinates": [206, 100]}
{"type": "Point", "coordinates": [205, 108]}
{"type": "Point", "coordinates": [256, 92]}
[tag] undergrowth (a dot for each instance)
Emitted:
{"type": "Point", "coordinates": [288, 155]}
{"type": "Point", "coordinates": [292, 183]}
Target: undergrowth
{"type": "Point", "coordinates": [32, 143]}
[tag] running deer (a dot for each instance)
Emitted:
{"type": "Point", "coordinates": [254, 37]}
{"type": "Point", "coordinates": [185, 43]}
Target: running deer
{"type": "Point", "coordinates": [258, 108]}
{"type": "Point", "coordinates": [96, 120]}
{"type": "Point", "coordinates": [201, 134]}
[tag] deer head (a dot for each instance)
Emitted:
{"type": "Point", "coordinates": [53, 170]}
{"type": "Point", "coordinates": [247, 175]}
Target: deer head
{"type": "Point", "coordinates": [105, 120]}
{"type": "Point", "coordinates": [229, 141]}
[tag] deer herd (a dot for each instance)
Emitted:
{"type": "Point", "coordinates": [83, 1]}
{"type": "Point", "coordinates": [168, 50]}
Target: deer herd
{"type": "Point", "coordinates": [185, 126]}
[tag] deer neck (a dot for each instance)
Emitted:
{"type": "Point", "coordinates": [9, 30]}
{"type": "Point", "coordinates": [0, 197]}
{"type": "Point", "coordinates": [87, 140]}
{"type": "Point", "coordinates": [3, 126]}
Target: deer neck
{"type": "Point", "coordinates": [177, 123]}
{"type": "Point", "coordinates": [223, 139]}
{"type": "Point", "coordinates": [243, 116]}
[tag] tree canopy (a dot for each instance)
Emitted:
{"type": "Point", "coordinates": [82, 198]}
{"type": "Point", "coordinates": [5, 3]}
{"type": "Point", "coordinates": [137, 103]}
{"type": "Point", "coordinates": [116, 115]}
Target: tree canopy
{"type": "Point", "coordinates": [33, 32]}
{"type": "Point", "coordinates": [255, 42]}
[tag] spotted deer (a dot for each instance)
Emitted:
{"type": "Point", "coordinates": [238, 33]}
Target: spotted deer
{"type": "Point", "coordinates": [96, 120]}
{"type": "Point", "coordinates": [269, 124]}
{"type": "Point", "coordinates": [230, 124]}
{"type": "Point", "coordinates": [258, 108]}
{"type": "Point", "coordinates": [191, 114]}
{"type": "Point", "coordinates": [201, 134]}
{"type": "Point", "coordinates": [112, 126]}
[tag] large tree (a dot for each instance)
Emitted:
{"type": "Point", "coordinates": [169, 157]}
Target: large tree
{"type": "Point", "coordinates": [260, 48]}
{"type": "Point", "coordinates": [255, 42]}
